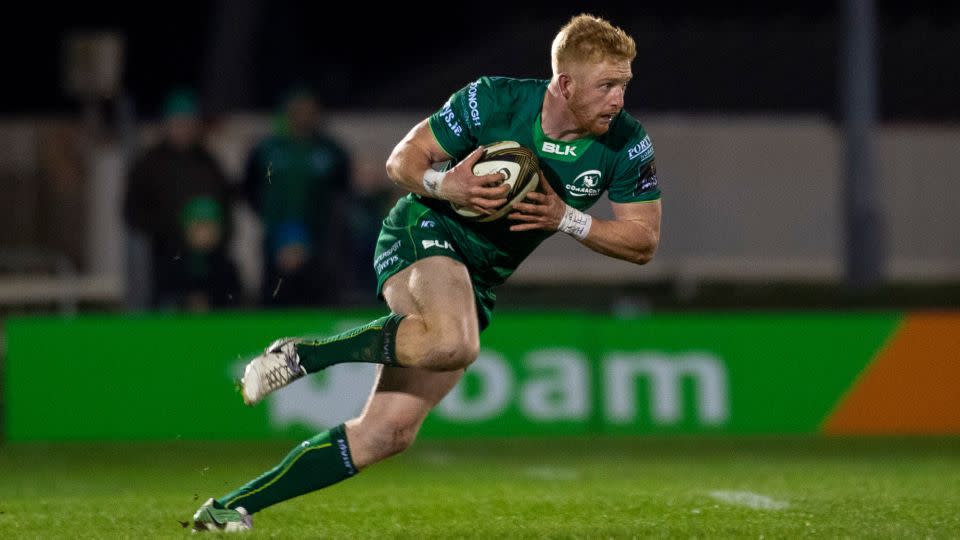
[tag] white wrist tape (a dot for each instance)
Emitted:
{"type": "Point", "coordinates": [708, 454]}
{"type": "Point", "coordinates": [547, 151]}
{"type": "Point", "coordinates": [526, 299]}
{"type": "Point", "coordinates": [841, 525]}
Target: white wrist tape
{"type": "Point", "coordinates": [575, 223]}
{"type": "Point", "coordinates": [432, 180]}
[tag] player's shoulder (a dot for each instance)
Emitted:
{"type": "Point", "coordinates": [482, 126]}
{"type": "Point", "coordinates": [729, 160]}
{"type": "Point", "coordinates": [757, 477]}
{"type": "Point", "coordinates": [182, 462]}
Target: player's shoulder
{"type": "Point", "coordinates": [507, 89]}
{"type": "Point", "coordinates": [512, 83]}
{"type": "Point", "coordinates": [625, 133]}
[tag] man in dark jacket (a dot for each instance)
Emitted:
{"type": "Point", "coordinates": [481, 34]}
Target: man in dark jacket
{"type": "Point", "coordinates": [164, 180]}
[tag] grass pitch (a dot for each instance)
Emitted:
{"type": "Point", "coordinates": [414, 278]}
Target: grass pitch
{"type": "Point", "coordinates": [608, 488]}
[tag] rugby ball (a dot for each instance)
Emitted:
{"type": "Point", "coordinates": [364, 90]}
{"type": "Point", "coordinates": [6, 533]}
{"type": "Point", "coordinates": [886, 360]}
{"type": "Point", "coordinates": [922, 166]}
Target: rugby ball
{"type": "Point", "coordinates": [520, 169]}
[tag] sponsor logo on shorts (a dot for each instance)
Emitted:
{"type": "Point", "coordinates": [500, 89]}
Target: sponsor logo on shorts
{"type": "Point", "coordinates": [643, 150]}
{"type": "Point", "coordinates": [387, 258]}
{"type": "Point", "coordinates": [585, 184]}
{"type": "Point", "coordinates": [427, 244]}
{"type": "Point", "coordinates": [386, 263]}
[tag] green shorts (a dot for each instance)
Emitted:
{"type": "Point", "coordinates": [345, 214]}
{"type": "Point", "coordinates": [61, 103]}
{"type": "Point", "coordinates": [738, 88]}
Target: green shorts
{"type": "Point", "coordinates": [413, 231]}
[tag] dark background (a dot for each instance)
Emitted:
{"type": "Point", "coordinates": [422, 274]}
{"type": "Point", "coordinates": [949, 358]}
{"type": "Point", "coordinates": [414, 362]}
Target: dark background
{"type": "Point", "coordinates": [745, 57]}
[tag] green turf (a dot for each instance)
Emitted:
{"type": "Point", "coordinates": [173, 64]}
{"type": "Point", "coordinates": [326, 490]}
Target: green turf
{"type": "Point", "coordinates": [613, 488]}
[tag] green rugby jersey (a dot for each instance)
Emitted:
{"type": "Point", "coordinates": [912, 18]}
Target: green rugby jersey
{"type": "Point", "coordinates": [491, 109]}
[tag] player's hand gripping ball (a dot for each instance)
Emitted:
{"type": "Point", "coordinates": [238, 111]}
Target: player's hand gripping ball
{"type": "Point", "coordinates": [520, 169]}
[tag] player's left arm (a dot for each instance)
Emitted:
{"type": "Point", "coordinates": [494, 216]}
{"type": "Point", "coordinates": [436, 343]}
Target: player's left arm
{"type": "Point", "coordinates": [633, 235]}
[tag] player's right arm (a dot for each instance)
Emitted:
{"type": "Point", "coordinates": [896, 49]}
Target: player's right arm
{"type": "Point", "coordinates": [454, 130]}
{"type": "Point", "coordinates": [411, 167]}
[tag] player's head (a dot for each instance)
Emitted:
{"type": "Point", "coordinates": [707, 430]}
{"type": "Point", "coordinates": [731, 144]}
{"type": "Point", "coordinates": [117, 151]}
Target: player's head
{"type": "Point", "coordinates": [591, 64]}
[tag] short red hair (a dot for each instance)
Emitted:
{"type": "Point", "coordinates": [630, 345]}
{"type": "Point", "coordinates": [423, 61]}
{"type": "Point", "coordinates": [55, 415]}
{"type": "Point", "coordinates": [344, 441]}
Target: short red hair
{"type": "Point", "coordinates": [587, 38]}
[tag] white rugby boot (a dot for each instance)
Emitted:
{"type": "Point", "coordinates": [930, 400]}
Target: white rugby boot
{"type": "Point", "coordinates": [213, 517]}
{"type": "Point", "coordinates": [278, 366]}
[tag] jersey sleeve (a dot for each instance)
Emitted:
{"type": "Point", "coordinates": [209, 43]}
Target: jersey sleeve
{"type": "Point", "coordinates": [635, 174]}
{"type": "Point", "coordinates": [458, 124]}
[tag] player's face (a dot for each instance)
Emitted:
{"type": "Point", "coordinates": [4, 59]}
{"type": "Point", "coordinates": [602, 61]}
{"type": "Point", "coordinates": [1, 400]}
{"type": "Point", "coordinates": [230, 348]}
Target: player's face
{"type": "Point", "coordinates": [598, 94]}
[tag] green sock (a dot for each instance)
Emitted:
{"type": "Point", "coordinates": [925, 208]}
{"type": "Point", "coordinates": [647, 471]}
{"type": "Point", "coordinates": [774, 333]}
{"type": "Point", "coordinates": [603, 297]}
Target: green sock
{"type": "Point", "coordinates": [315, 463]}
{"type": "Point", "coordinates": [374, 342]}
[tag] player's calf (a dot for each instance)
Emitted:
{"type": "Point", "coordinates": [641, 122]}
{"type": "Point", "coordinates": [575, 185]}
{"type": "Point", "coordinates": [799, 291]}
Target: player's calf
{"type": "Point", "coordinates": [288, 359]}
{"type": "Point", "coordinates": [445, 345]}
{"type": "Point", "coordinates": [374, 438]}
{"type": "Point", "coordinates": [315, 463]}
{"type": "Point", "coordinates": [376, 445]}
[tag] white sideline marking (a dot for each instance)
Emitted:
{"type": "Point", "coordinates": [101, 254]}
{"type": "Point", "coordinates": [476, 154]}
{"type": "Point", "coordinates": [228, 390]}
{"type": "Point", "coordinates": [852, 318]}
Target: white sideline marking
{"type": "Point", "coordinates": [749, 499]}
{"type": "Point", "coordinates": [551, 473]}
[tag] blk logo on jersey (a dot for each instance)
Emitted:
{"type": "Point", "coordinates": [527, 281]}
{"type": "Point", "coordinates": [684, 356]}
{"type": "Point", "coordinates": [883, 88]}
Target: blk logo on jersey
{"type": "Point", "coordinates": [586, 184]}
{"type": "Point", "coordinates": [559, 149]}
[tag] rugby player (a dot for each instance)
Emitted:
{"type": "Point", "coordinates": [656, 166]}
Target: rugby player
{"type": "Point", "coordinates": [436, 270]}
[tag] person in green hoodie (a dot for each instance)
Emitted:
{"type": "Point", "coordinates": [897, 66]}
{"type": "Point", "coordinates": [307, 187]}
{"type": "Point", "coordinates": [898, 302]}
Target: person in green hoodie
{"type": "Point", "coordinates": [297, 181]}
{"type": "Point", "coordinates": [203, 277]}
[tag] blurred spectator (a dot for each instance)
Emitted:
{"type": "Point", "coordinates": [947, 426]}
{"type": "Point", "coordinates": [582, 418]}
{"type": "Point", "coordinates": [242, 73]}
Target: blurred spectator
{"type": "Point", "coordinates": [203, 277]}
{"type": "Point", "coordinates": [298, 182]}
{"type": "Point", "coordinates": [373, 196]}
{"type": "Point", "coordinates": [163, 187]}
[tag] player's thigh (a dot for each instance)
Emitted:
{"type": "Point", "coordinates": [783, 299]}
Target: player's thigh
{"type": "Point", "coordinates": [438, 290]}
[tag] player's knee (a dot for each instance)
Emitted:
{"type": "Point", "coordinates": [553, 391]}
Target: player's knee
{"type": "Point", "coordinates": [453, 352]}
